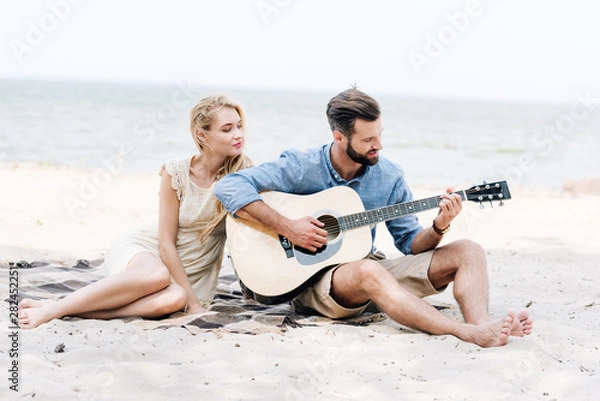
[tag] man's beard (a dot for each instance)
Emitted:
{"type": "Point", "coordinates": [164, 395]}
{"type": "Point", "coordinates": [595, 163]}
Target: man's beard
{"type": "Point", "coordinates": [363, 159]}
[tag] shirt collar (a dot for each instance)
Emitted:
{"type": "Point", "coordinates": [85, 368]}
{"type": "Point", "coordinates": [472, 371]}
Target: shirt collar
{"type": "Point", "coordinates": [334, 173]}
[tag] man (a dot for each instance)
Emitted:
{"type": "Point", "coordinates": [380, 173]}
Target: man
{"type": "Point", "coordinates": [395, 286]}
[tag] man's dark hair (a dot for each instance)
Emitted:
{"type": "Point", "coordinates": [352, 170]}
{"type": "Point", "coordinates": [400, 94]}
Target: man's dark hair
{"type": "Point", "coordinates": [346, 107]}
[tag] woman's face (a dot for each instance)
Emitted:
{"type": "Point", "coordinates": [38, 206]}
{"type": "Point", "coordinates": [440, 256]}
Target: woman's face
{"type": "Point", "coordinates": [226, 134]}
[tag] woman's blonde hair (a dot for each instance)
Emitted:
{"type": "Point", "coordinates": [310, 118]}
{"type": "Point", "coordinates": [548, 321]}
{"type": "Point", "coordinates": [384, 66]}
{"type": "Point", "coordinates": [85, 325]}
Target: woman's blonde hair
{"type": "Point", "coordinates": [201, 117]}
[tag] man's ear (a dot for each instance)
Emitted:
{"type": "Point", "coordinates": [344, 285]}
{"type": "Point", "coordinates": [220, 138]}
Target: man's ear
{"type": "Point", "coordinates": [338, 136]}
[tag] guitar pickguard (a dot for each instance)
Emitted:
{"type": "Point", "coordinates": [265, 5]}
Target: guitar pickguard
{"type": "Point", "coordinates": [307, 258]}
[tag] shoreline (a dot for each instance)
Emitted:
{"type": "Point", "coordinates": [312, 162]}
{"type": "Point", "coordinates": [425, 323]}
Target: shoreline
{"type": "Point", "coordinates": [91, 207]}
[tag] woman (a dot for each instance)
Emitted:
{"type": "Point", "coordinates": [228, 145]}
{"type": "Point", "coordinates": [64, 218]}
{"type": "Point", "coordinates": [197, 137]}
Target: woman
{"type": "Point", "coordinates": [157, 271]}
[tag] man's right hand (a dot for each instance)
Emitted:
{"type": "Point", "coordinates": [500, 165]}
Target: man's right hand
{"type": "Point", "coordinates": [306, 232]}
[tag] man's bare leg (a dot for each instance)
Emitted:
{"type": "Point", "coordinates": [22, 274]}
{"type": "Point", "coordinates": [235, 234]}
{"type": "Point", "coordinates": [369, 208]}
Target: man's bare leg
{"type": "Point", "coordinates": [356, 283]}
{"type": "Point", "coordinates": [464, 263]}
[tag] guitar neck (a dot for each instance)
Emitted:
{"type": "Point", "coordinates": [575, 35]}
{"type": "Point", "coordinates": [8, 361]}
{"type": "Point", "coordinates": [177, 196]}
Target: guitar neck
{"type": "Point", "coordinates": [375, 216]}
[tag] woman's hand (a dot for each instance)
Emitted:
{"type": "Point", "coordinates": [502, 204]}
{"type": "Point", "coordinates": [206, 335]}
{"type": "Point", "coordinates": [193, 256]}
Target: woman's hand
{"type": "Point", "coordinates": [194, 309]}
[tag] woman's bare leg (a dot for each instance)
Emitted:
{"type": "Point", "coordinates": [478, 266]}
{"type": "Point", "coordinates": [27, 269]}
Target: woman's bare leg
{"type": "Point", "coordinates": [145, 275]}
{"type": "Point", "coordinates": [166, 301]}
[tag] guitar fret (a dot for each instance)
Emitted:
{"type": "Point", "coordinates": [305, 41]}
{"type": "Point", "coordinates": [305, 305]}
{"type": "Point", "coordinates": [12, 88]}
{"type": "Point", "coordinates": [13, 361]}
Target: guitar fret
{"type": "Point", "coordinates": [344, 223]}
{"type": "Point", "coordinates": [375, 216]}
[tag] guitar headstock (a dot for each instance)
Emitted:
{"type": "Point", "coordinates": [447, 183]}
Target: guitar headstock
{"type": "Point", "coordinates": [489, 191]}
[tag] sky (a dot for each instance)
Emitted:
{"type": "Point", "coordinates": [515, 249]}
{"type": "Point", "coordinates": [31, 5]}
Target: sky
{"type": "Point", "coordinates": [510, 49]}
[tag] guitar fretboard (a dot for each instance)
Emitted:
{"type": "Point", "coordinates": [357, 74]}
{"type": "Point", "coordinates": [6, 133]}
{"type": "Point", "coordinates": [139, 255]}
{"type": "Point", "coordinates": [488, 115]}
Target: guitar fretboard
{"type": "Point", "coordinates": [372, 217]}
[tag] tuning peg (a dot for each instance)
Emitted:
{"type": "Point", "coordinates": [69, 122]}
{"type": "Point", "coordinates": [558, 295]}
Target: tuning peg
{"type": "Point", "coordinates": [501, 203]}
{"type": "Point", "coordinates": [481, 205]}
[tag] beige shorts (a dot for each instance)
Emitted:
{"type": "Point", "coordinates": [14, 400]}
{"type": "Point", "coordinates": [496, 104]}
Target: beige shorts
{"type": "Point", "coordinates": [410, 271]}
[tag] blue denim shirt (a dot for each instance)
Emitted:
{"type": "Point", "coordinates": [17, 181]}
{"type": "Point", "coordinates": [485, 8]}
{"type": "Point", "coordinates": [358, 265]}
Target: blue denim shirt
{"type": "Point", "coordinates": [311, 171]}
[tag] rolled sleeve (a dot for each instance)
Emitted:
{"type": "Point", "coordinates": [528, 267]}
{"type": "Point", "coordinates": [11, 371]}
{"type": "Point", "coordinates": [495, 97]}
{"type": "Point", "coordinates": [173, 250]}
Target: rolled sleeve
{"type": "Point", "coordinates": [404, 229]}
{"type": "Point", "coordinates": [235, 191]}
{"type": "Point", "coordinates": [404, 244]}
{"type": "Point", "coordinates": [239, 189]}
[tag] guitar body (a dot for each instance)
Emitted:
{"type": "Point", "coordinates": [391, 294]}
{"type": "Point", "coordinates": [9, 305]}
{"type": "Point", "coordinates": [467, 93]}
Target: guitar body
{"type": "Point", "coordinates": [273, 271]}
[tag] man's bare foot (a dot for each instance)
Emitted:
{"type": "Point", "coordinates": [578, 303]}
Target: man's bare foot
{"type": "Point", "coordinates": [523, 324]}
{"type": "Point", "coordinates": [494, 334]}
{"type": "Point", "coordinates": [33, 316]}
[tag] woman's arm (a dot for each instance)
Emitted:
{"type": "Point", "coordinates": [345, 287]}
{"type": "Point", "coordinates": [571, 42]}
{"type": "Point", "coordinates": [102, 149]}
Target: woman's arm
{"type": "Point", "coordinates": [168, 226]}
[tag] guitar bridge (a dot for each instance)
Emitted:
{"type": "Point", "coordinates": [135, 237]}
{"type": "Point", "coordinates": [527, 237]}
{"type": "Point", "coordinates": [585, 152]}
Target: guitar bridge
{"type": "Point", "coordinates": [287, 246]}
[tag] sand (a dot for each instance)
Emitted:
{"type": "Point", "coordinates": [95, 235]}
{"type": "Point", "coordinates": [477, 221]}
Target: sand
{"type": "Point", "coordinates": [543, 255]}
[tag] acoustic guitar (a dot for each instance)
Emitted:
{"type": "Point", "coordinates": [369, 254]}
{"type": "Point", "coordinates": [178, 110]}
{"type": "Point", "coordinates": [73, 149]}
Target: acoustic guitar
{"type": "Point", "coordinates": [272, 270]}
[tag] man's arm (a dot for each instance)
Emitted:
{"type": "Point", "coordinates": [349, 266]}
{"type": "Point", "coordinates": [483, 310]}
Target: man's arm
{"type": "Point", "coordinates": [305, 232]}
{"type": "Point", "coordinates": [428, 238]}
{"type": "Point", "coordinates": [237, 190]}
{"type": "Point", "coordinates": [240, 194]}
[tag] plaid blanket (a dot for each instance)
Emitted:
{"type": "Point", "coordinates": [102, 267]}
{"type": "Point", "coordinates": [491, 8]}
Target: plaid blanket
{"type": "Point", "coordinates": [229, 312]}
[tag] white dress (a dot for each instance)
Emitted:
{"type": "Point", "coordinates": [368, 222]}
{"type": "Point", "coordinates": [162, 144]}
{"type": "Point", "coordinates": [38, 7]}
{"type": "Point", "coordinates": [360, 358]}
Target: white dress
{"type": "Point", "coordinates": [202, 262]}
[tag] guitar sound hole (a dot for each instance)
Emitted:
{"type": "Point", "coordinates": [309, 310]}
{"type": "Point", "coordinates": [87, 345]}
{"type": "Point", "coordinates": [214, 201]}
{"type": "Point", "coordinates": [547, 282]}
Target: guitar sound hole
{"type": "Point", "coordinates": [331, 226]}
{"type": "Point", "coordinates": [333, 231]}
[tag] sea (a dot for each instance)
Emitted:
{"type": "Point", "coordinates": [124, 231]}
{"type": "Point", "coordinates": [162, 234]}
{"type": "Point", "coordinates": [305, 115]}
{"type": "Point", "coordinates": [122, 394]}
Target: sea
{"type": "Point", "coordinates": [134, 127]}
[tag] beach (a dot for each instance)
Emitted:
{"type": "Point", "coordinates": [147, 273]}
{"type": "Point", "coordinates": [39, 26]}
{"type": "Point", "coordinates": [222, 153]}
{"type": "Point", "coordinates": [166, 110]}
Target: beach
{"type": "Point", "coordinates": [96, 95]}
{"type": "Point", "coordinates": [543, 255]}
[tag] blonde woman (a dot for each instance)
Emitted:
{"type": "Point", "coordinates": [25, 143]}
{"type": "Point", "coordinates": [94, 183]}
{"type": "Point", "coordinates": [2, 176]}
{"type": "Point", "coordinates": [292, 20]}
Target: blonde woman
{"type": "Point", "coordinates": [174, 266]}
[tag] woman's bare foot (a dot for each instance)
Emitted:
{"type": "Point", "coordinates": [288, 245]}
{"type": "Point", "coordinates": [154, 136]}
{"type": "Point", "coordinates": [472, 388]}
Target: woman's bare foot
{"type": "Point", "coordinates": [33, 313]}
{"type": "Point", "coordinates": [34, 303]}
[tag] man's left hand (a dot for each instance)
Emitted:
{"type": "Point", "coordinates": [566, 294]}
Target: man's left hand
{"type": "Point", "coordinates": [450, 207]}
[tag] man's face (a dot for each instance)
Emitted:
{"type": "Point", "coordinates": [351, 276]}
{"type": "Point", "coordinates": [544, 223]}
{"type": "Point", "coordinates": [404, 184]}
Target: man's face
{"type": "Point", "coordinates": [365, 143]}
